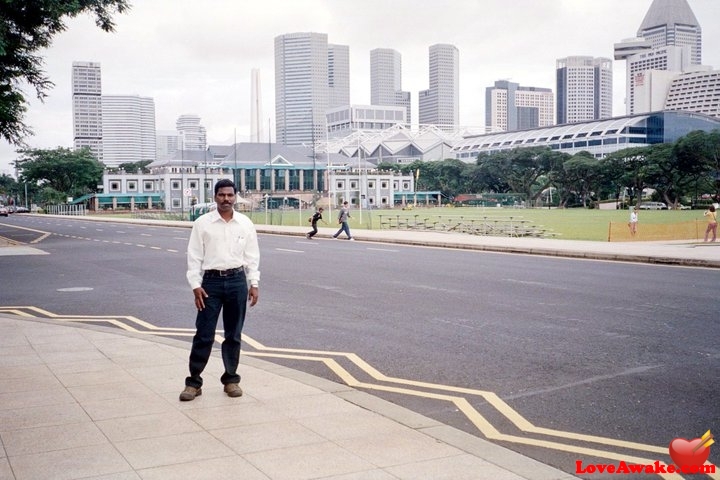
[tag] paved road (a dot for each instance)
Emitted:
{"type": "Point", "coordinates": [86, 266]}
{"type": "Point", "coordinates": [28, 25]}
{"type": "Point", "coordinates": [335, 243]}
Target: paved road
{"type": "Point", "coordinates": [580, 347]}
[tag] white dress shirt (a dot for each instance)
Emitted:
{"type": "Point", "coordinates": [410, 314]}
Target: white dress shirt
{"type": "Point", "coordinates": [219, 245]}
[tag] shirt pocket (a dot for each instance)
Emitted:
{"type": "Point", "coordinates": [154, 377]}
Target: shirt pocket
{"type": "Point", "coordinates": [238, 245]}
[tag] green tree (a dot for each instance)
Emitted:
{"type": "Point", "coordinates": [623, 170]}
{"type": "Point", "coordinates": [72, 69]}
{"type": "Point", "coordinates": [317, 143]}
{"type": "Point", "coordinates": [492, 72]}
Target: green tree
{"type": "Point", "coordinates": [132, 167]}
{"type": "Point", "coordinates": [524, 170]}
{"type": "Point", "coordinates": [629, 167]}
{"type": "Point", "coordinates": [698, 154]}
{"type": "Point", "coordinates": [68, 172]}
{"type": "Point", "coordinates": [578, 177]}
{"type": "Point", "coordinates": [26, 27]}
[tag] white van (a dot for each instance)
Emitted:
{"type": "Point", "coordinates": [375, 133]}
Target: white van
{"type": "Point", "coordinates": [653, 206]}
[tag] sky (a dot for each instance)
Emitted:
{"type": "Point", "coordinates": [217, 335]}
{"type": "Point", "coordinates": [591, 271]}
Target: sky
{"type": "Point", "coordinates": [196, 57]}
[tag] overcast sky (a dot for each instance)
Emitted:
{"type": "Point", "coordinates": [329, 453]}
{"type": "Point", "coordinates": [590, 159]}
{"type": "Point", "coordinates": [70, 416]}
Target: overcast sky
{"type": "Point", "coordinates": [196, 56]}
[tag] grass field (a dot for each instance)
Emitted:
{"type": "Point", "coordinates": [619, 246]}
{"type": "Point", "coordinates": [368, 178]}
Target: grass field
{"type": "Point", "coordinates": [569, 224]}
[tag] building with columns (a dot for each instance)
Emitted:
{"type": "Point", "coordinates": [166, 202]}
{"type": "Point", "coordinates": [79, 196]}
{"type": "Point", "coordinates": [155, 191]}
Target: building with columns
{"type": "Point", "coordinates": [272, 173]}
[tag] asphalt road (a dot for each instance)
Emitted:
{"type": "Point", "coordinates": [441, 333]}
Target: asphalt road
{"type": "Point", "coordinates": [626, 352]}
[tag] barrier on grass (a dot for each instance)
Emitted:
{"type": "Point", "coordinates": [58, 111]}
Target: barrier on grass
{"type": "Point", "coordinates": [692, 230]}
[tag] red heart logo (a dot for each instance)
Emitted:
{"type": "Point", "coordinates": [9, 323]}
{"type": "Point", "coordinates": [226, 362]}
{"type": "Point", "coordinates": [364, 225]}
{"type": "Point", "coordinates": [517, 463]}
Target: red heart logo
{"type": "Point", "coordinates": [681, 451]}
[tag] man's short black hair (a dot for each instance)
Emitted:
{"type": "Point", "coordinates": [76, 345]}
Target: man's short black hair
{"type": "Point", "coordinates": [225, 183]}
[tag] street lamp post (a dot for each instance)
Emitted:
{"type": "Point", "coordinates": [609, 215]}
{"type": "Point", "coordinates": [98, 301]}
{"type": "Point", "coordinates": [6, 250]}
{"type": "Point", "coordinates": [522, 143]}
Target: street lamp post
{"type": "Point", "coordinates": [267, 199]}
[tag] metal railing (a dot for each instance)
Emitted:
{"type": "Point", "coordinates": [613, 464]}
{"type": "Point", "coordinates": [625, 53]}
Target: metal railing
{"type": "Point", "coordinates": [66, 209]}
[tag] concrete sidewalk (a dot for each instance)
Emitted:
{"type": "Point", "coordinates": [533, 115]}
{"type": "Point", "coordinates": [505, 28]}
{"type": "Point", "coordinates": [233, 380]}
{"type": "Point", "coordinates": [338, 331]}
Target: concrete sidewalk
{"type": "Point", "coordinates": [81, 401]}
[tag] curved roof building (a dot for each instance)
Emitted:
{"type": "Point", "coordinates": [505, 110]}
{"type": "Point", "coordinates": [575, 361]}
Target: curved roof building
{"type": "Point", "coordinates": [599, 137]}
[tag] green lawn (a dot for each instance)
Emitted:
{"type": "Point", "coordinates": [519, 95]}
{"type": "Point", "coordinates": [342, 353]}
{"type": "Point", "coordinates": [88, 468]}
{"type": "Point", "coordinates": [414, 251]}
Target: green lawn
{"type": "Point", "coordinates": [567, 224]}
{"type": "Point", "coordinates": [570, 224]}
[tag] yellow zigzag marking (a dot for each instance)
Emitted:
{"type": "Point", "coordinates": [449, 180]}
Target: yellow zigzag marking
{"type": "Point", "coordinates": [463, 405]}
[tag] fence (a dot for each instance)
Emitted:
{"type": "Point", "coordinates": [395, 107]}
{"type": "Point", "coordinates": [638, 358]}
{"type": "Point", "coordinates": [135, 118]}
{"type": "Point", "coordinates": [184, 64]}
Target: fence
{"type": "Point", "coordinates": [511, 226]}
{"type": "Point", "coordinates": [66, 209]}
{"type": "Point", "coordinates": [693, 230]}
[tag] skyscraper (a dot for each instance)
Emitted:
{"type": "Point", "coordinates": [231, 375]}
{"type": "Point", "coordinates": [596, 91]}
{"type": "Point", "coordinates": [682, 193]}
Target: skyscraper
{"type": "Point", "coordinates": [338, 75]}
{"type": "Point", "coordinates": [128, 129]}
{"type": "Point", "coordinates": [584, 89]}
{"type": "Point", "coordinates": [310, 77]}
{"type": "Point", "coordinates": [386, 80]}
{"type": "Point", "coordinates": [669, 39]}
{"type": "Point", "coordinates": [439, 104]}
{"type": "Point", "coordinates": [672, 22]}
{"type": "Point", "coordinates": [193, 135]}
{"type": "Point", "coordinates": [87, 107]}
{"type": "Point", "coordinates": [509, 107]}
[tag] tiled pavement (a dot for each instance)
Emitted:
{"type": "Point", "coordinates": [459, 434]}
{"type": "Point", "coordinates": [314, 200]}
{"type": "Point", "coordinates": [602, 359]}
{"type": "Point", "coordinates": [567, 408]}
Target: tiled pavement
{"type": "Point", "coordinates": [81, 401]}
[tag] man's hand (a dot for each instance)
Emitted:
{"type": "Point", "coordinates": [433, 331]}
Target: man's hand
{"type": "Point", "coordinates": [200, 296]}
{"type": "Point", "coordinates": [253, 295]}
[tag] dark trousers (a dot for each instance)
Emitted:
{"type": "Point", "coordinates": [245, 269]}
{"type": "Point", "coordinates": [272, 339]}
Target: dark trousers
{"type": "Point", "coordinates": [344, 227]}
{"type": "Point", "coordinates": [230, 295]}
{"type": "Point", "coordinates": [314, 231]}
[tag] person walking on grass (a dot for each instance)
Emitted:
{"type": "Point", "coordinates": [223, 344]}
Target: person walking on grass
{"type": "Point", "coordinates": [313, 222]}
{"type": "Point", "coordinates": [712, 223]}
{"type": "Point", "coordinates": [222, 270]}
{"type": "Point", "coordinates": [633, 221]}
{"type": "Point", "coordinates": [343, 216]}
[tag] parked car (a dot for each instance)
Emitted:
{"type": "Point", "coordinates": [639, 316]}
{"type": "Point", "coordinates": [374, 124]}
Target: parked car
{"type": "Point", "coordinates": [4, 212]}
{"type": "Point", "coordinates": [653, 206]}
{"type": "Point", "coordinates": [22, 210]}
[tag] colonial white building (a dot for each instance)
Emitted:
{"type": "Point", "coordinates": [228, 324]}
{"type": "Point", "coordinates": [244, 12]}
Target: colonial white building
{"type": "Point", "coordinates": [264, 173]}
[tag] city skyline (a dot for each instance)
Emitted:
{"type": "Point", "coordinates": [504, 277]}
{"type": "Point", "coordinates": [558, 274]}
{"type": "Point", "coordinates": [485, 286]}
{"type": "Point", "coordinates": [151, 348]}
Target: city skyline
{"type": "Point", "coordinates": [209, 74]}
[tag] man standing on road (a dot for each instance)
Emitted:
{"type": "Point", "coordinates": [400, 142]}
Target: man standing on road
{"type": "Point", "coordinates": [223, 258]}
{"type": "Point", "coordinates": [343, 216]}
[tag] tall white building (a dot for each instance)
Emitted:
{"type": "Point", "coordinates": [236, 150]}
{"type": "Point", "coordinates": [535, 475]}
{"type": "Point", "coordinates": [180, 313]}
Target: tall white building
{"type": "Point", "coordinates": [672, 22]}
{"type": "Point", "coordinates": [669, 39]}
{"type": "Point", "coordinates": [509, 107]}
{"type": "Point", "coordinates": [338, 80]}
{"type": "Point", "coordinates": [128, 129]}
{"type": "Point", "coordinates": [193, 135]}
{"type": "Point", "coordinates": [87, 107]}
{"type": "Point", "coordinates": [649, 75]}
{"type": "Point", "coordinates": [168, 143]}
{"type": "Point", "coordinates": [311, 76]}
{"type": "Point", "coordinates": [386, 80]}
{"type": "Point", "coordinates": [440, 104]}
{"type": "Point", "coordinates": [697, 91]}
{"type": "Point", "coordinates": [584, 89]}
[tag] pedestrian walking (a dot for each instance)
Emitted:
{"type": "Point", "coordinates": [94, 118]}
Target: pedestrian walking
{"type": "Point", "coordinates": [712, 223]}
{"type": "Point", "coordinates": [633, 221]}
{"type": "Point", "coordinates": [343, 216]}
{"type": "Point", "coordinates": [223, 259]}
{"type": "Point", "coordinates": [317, 216]}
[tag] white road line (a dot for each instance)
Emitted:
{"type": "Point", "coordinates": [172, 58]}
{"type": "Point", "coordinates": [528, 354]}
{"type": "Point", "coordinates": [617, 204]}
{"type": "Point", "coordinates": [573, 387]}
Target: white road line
{"type": "Point", "coordinates": [383, 250]}
{"type": "Point", "coordinates": [288, 250]}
